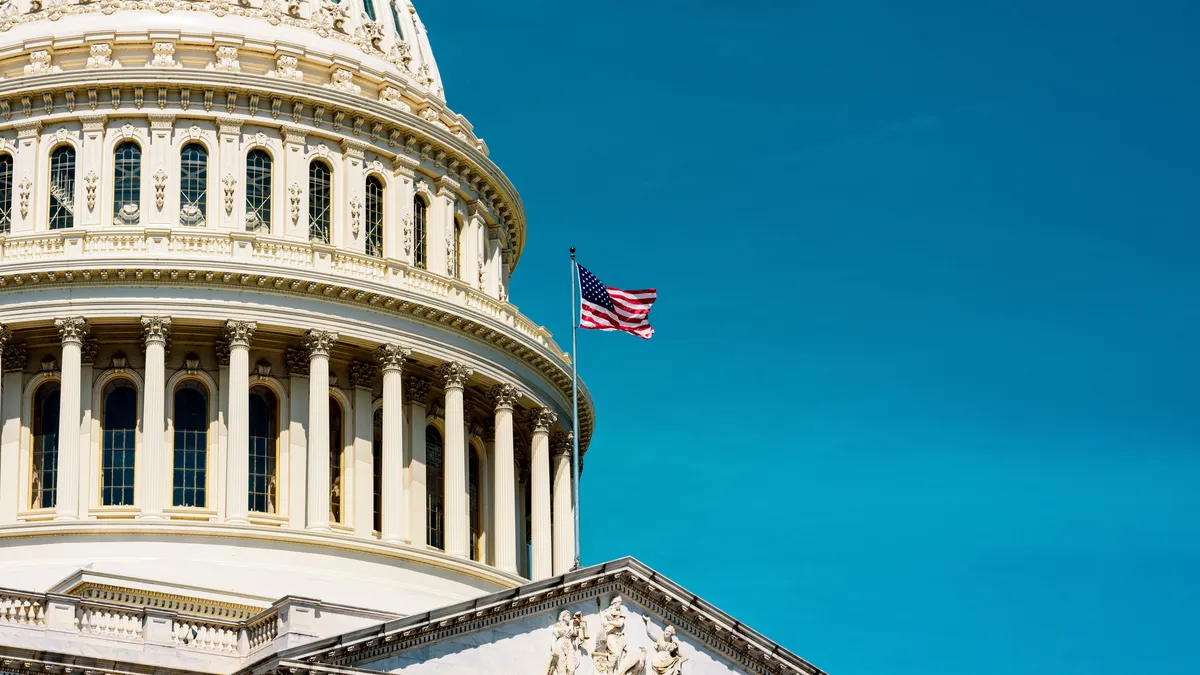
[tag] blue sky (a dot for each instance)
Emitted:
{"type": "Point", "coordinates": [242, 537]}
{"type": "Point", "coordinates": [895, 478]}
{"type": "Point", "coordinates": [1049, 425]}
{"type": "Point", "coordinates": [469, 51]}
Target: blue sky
{"type": "Point", "coordinates": [923, 397]}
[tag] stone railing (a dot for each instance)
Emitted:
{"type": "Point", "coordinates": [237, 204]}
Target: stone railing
{"type": "Point", "coordinates": [191, 248]}
{"type": "Point", "coordinates": [23, 609]}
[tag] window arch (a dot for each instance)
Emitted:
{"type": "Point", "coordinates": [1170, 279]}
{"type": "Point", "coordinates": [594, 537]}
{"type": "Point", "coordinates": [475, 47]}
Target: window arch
{"type": "Point", "coordinates": [320, 195]}
{"type": "Point", "coordinates": [377, 463]}
{"type": "Point", "coordinates": [119, 423]}
{"type": "Point", "coordinates": [264, 448]}
{"type": "Point", "coordinates": [336, 452]}
{"type": "Point", "coordinates": [6, 192]}
{"type": "Point", "coordinates": [193, 185]}
{"type": "Point", "coordinates": [420, 227]}
{"type": "Point", "coordinates": [62, 188]}
{"type": "Point", "coordinates": [458, 247]}
{"type": "Point", "coordinates": [190, 420]}
{"type": "Point", "coordinates": [374, 216]}
{"type": "Point", "coordinates": [474, 503]}
{"type": "Point", "coordinates": [434, 488]}
{"type": "Point", "coordinates": [258, 191]}
{"type": "Point", "coordinates": [43, 493]}
{"type": "Point", "coordinates": [127, 183]}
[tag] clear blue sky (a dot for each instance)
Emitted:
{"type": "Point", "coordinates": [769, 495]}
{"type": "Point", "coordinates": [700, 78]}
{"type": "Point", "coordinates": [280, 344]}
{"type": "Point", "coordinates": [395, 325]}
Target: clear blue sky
{"type": "Point", "coordinates": [924, 395]}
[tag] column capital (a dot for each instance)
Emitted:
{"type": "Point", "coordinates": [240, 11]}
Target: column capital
{"type": "Point", "coordinates": [156, 329]}
{"type": "Point", "coordinates": [240, 333]}
{"type": "Point", "coordinates": [5, 336]}
{"type": "Point", "coordinates": [297, 361]}
{"type": "Point", "coordinates": [319, 342]}
{"type": "Point", "coordinates": [16, 356]}
{"type": "Point", "coordinates": [455, 374]}
{"type": "Point", "coordinates": [391, 357]}
{"type": "Point", "coordinates": [542, 418]}
{"type": "Point", "coordinates": [72, 329]}
{"type": "Point", "coordinates": [503, 396]}
{"type": "Point", "coordinates": [90, 350]}
{"type": "Point", "coordinates": [416, 391]}
{"type": "Point", "coordinates": [362, 374]}
{"type": "Point", "coordinates": [561, 443]}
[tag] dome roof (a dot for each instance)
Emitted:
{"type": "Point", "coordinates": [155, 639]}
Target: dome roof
{"type": "Point", "coordinates": [385, 36]}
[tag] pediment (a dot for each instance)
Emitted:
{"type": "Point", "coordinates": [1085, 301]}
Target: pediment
{"type": "Point", "coordinates": [524, 630]}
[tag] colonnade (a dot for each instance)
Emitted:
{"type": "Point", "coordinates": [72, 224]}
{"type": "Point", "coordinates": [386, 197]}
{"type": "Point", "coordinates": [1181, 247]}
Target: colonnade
{"type": "Point", "coordinates": [551, 516]}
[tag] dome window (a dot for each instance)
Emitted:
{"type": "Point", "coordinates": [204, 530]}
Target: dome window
{"type": "Point", "coordinates": [258, 191]}
{"type": "Point", "coordinates": [374, 216]}
{"type": "Point", "coordinates": [62, 188]}
{"type": "Point", "coordinates": [127, 183]}
{"type": "Point", "coordinates": [6, 193]}
{"type": "Point", "coordinates": [120, 439]}
{"type": "Point", "coordinates": [191, 445]}
{"type": "Point", "coordinates": [193, 185]}
{"type": "Point", "coordinates": [420, 227]}
{"type": "Point", "coordinates": [320, 188]}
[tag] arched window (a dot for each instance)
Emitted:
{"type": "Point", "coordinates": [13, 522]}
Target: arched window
{"type": "Point", "coordinates": [6, 192]}
{"type": "Point", "coordinates": [62, 188]}
{"type": "Point", "coordinates": [336, 450]}
{"type": "Point", "coordinates": [320, 191]}
{"type": "Point", "coordinates": [458, 247]}
{"type": "Point", "coordinates": [395, 18]}
{"type": "Point", "coordinates": [258, 191]}
{"type": "Point", "coordinates": [191, 445]}
{"type": "Point", "coordinates": [369, 7]}
{"type": "Point", "coordinates": [43, 493]}
{"type": "Point", "coordinates": [193, 185]}
{"type": "Point", "coordinates": [264, 446]}
{"type": "Point", "coordinates": [377, 462]}
{"type": "Point", "coordinates": [434, 488]}
{"type": "Point", "coordinates": [127, 183]}
{"type": "Point", "coordinates": [420, 255]}
{"type": "Point", "coordinates": [374, 216]}
{"type": "Point", "coordinates": [473, 503]}
{"type": "Point", "coordinates": [117, 452]}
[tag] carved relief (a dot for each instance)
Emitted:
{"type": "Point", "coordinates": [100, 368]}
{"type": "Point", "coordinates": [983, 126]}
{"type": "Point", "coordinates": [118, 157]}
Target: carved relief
{"type": "Point", "coordinates": [101, 57]}
{"type": "Point", "coordinates": [229, 183]}
{"type": "Point", "coordinates": [16, 357]}
{"type": "Point", "coordinates": [451, 254]}
{"type": "Point", "coordinates": [89, 186]}
{"type": "Point", "coordinates": [329, 17]}
{"type": "Point", "coordinates": [400, 54]}
{"type": "Point", "coordinates": [285, 69]}
{"type": "Point", "coordinates": [542, 419]}
{"type": "Point", "coordinates": [89, 351]}
{"type": "Point", "coordinates": [482, 274]}
{"type": "Point", "coordinates": [164, 56]}
{"type": "Point", "coordinates": [23, 193]}
{"type": "Point", "coordinates": [391, 97]}
{"type": "Point", "coordinates": [40, 63]}
{"type": "Point", "coordinates": [568, 633]}
{"type": "Point", "coordinates": [611, 654]}
{"type": "Point", "coordinates": [407, 236]}
{"type": "Point", "coordinates": [294, 193]}
{"type": "Point", "coordinates": [239, 333]}
{"type": "Point", "coordinates": [355, 215]}
{"type": "Point", "coordinates": [160, 188]}
{"type": "Point", "coordinates": [503, 396]}
{"type": "Point", "coordinates": [343, 79]}
{"type": "Point", "coordinates": [667, 659]}
{"type": "Point", "coordinates": [226, 60]}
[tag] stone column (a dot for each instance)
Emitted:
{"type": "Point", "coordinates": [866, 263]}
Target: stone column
{"type": "Point", "coordinates": [150, 457]}
{"type": "Point", "coordinates": [541, 566]}
{"type": "Point", "coordinates": [89, 472]}
{"type": "Point", "coordinates": [505, 504]}
{"type": "Point", "coordinates": [361, 492]}
{"type": "Point", "coordinates": [297, 460]}
{"type": "Point", "coordinates": [72, 330]}
{"type": "Point", "coordinates": [237, 484]}
{"type": "Point", "coordinates": [416, 394]}
{"type": "Point", "coordinates": [319, 344]}
{"type": "Point", "coordinates": [10, 485]}
{"type": "Point", "coordinates": [564, 508]}
{"type": "Point", "coordinates": [458, 527]}
{"type": "Point", "coordinates": [522, 470]}
{"type": "Point", "coordinates": [391, 359]}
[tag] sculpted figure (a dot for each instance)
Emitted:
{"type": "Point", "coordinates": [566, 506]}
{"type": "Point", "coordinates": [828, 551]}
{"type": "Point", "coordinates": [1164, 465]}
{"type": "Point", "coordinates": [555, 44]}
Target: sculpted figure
{"type": "Point", "coordinates": [667, 659]}
{"type": "Point", "coordinates": [611, 655]}
{"type": "Point", "coordinates": [568, 632]}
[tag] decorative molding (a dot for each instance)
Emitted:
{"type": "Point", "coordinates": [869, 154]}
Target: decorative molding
{"type": "Point", "coordinates": [416, 390]}
{"type": "Point", "coordinates": [454, 374]}
{"type": "Point", "coordinates": [561, 443]}
{"type": "Point", "coordinates": [391, 357]}
{"type": "Point", "coordinates": [164, 56]}
{"type": "Point", "coordinates": [319, 342]}
{"type": "Point", "coordinates": [240, 333]}
{"type": "Point", "coordinates": [362, 374]}
{"type": "Point", "coordinates": [41, 63]}
{"type": "Point", "coordinates": [16, 356]}
{"type": "Point", "coordinates": [23, 193]}
{"type": "Point", "coordinates": [343, 80]}
{"type": "Point", "coordinates": [101, 57]}
{"type": "Point", "coordinates": [90, 350]}
{"type": "Point", "coordinates": [286, 69]}
{"type": "Point", "coordinates": [72, 329]}
{"type": "Point", "coordinates": [503, 396]}
{"type": "Point", "coordinates": [89, 185]}
{"type": "Point", "coordinates": [294, 193]}
{"type": "Point", "coordinates": [297, 361]}
{"type": "Point", "coordinates": [542, 419]}
{"type": "Point", "coordinates": [226, 60]}
{"type": "Point", "coordinates": [229, 183]}
{"type": "Point", "coordinates": [156, 329]}
{"type": "Point", "coordinates": [160, 188]}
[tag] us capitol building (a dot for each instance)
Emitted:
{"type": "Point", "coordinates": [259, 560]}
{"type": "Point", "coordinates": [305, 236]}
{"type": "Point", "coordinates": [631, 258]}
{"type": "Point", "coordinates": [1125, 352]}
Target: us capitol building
{"type": "Point", "coordinates": [266, 406]}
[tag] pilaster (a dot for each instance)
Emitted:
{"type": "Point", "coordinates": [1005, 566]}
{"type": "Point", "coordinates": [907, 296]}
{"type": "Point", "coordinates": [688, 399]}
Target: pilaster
{"type": "Point", "coordinates": [458, 525]}
{"type": "Point", "coordinates": [90, 170]}
{"type": "Point", "coordinates": [541, 563]}
{"type": "Point", "coordinates": [230, 202]}
{"type": "Point", "coordinates": [391, 359]}
{"type": "Point", "coordinates": [504, 510]}
{"type": "Point", "coordinates": [416, 394]}
{"type": "Point", "coordinates": [362, 492]}
{"type": "Point", "coordinates": [161, 174]}
{"type": "Point", "coordinates": [237, 485]}
{"type": "Point", "coordinates": [349, 221]}
{"type": "Point", "coordinates": [25, 173]}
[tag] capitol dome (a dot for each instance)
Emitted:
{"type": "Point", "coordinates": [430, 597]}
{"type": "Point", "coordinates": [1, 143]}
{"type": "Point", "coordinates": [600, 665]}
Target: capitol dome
{"type": "Point", "coordinates": [257, 333]}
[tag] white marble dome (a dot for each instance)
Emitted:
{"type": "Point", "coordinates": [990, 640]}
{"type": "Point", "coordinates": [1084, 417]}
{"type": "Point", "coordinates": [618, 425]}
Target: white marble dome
{"type": "Point", "coordinates": [257, 337]}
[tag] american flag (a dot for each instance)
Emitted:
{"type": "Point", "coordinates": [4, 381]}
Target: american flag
{"type": "Point", "coordinates": [607, 308]}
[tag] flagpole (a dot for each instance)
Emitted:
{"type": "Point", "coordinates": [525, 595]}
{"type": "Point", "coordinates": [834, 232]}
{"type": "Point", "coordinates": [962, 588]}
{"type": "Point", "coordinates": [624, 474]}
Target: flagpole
{"type": "Point", "coordinates": [575, 304]}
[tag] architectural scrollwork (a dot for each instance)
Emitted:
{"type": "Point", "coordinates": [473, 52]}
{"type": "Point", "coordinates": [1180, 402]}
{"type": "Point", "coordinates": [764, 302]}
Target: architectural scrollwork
{"type": "Point", "coordinates": [568, 632]}
{"type": "Point", "coordinates": [356, 205]}
{"type": "Point", "coordinates": [343, 80]}
{"type": "Point", "coordinates": [164, 56]}
{"type": "Point", "coordinates": [101, 57]}
{"type": "Point", "coordinates": [40, 62]}
{"type": "Point", "coordinates": [239, 333]}
{"type": "Point", "coordinates": [16, 357]}
{"type": "Point", "coordinates": [286, 68]}
{"type": "Point", "coordinates": [542, 419]}
{"type": "Point", "coordinates": [455, 374]}
{"type": "Point", "coordinates": [5, 336]}
{"type": "Point", "coordinates": [90, 350]}
{"type": "Point", "coordinates": [156, 329]}
{"type": "Point", "coordinates": [561, 443]}
{"type": "Point", "coordinates": [391, 97]}
{"type": "Point", "coordinates": [226, 60]}
{"type": "Point", "coordinates": [72, 329]}
{"type": "Point", "coordinates": [294, 192]}
{"type": "Point", "coordinates": [407, 222]}
{"type": "Point", "coordinates": [319, 342]}
{"type": "Point", "coordinates": [391, 357]}
{"type": "Point", "coordinates": [503, 396]}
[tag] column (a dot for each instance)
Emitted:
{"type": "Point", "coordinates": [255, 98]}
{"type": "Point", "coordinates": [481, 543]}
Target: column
{"type": "Point", "coordinates": [416, 394]}
{"type": "Point", "coordinates": [504, 507]}
{"type": "Point", "coordinates": [319, 344]}
{"type": "Point", "coordinates": [237, 484]}
{"type": "Point", "coordinates": [458, 527]}
{"type": "Point", "coordinates": [391, 359]}
{"type": "Point", "coordinates": [151, 457]}
{"type": "Point", "coordinates": [10, 485]}
{"type": "Point", "coordinates": [541, 565]}
{"type": "Point", "coordinates": [297, 365]}
{"type": "Point", "coordinates": [72, 330]}
{"type": "Point", "coordinates": [89, 474]}
{"type": "Point", "coordinates": [564, 511]}
{"type": "Point", "coordinates": [522, 470]}
{"type": "Point", "coordinates": [362, 491]}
